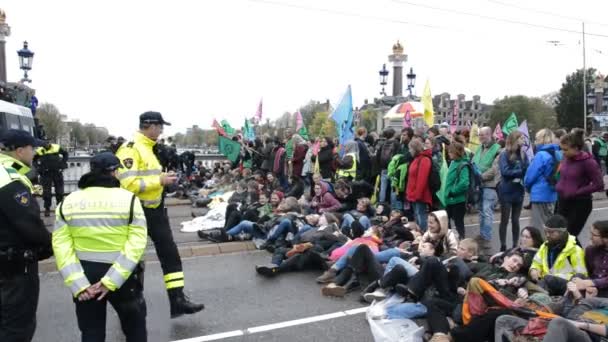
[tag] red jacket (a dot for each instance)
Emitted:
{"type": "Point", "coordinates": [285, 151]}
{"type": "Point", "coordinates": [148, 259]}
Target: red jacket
{"type": "Point", "coordinates": [418, 175]}
{"type": "Point", "coordinates": [297, 161]}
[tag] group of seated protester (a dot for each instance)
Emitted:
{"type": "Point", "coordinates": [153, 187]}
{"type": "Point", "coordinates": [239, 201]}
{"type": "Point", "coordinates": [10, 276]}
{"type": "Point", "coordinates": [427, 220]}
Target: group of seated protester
{"type": "Point", "coordinates": [546, 286]}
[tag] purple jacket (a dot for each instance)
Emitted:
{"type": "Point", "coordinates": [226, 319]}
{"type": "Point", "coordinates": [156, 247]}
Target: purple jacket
{"type": "Point", "coordinates": [596, 259]}
{"type": "Point", "coordinates": [579, 177]}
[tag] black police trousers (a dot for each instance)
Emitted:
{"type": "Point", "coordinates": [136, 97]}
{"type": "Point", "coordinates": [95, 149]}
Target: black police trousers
{"type": "Point", "coordinates": [48, 180]}
{"type": "Point", "coordinates": [128, 301]}
{"type": "Point", "coordinates": [159, 230]}
{"type": "Point", "coordinates": [18, 304]}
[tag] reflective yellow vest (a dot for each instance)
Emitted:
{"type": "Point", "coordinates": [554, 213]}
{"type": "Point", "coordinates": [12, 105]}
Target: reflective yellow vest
{"type": "Point", "coordinates": [93, 225]}
{"type": "Point", "coordinates": [41, 151]}
{"type": "Point", "coordinates": [142, 170]}
{"type": "Point", "coordinates": [569, 262]}
{"type": "Point", "coordinates": [15, 170]}
{"type": "Point", "coordinates": [352, 172]}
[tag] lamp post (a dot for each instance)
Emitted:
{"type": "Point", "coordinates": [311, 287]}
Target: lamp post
{"type": "Point", "coordinates": [411, 81]}
{"type": "Point", "coordinates": [383, 75]}
{"type": "Point", "coordinates": [26, 57]}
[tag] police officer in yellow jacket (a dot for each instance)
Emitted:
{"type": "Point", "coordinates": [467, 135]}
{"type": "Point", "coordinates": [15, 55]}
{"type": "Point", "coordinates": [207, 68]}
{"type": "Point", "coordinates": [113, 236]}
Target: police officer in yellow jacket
{"type": "Point", "coordinates": [99, 238]}
{"type": "Point", "coordinates": [142, 175]}
{"type": "Point", "coordinates": [24, 240]}
{"type": "Point", "coordinates": [50, 161]}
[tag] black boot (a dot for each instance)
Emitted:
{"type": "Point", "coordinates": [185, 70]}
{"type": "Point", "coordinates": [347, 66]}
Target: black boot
{"type": "Point", "coordinates": [181, 305]}
{"type": "Point", "coordinates": [352, 284]}
{"type": "Point", "coordinates": [267, 271]}
{"type": "Point", "coordinates": [406, 293]}
{"type": "Point", "coordinates": [344, 276]}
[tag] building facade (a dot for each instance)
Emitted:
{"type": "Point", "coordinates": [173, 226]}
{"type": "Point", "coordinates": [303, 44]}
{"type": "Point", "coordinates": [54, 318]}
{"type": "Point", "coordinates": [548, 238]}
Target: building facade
{"type": "Point", "coordinates": [465, 113]}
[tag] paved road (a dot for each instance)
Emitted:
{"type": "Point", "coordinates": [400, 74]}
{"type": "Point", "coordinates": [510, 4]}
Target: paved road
{"type": "Point", "coordinates": [236, 299]}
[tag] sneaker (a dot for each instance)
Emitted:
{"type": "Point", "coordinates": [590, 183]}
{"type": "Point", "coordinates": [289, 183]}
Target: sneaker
{"type": "Point", "coordinates": [267, 271]}
{"type": "Point", "coordinates": [327, 276]}
{"type": "Point", "coordinates": [377, 295]}
{"type": "Point", "coordinates": [333, 290]}
{"type": "Point", "coordinates": [439, 337]}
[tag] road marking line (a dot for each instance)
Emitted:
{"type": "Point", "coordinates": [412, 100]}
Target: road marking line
{"type": "Point", "coordinates": [275, 326]}
{"type": "Point", "coordinates": [528, 218]}
{"type": "Point", "coordinates": [214, 337]}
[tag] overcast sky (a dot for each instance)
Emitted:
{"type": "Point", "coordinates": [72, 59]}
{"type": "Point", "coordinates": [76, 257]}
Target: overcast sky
{"type": "Point", "coordinates": [108, 61]}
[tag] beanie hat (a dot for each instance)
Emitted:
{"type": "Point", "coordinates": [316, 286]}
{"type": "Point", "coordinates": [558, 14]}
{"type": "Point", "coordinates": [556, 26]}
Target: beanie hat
{"type": "Point", "coordinates": [557, 222]}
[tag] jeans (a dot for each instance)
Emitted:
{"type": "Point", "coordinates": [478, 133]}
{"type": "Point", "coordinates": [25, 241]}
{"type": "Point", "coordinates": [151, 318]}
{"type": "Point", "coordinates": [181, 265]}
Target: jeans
{"type": "Point", "coordinates": [409, 268]}
{"type": "Point", "coordinates": [243, 227]}
{"type": "Point", "coordinates": [282, 229]}
{"type": "Point", "coordinates": [512, 211]}
{"type": "Point", "coordinates": [405, 310]}
{"type": "Point", "coordinates": [420, 214]}
{"type": "Point", "coordinates": [348, 219]}
{"type": "Point", "coordinates": [396, 202]}
{"type": "Point", "coordinates": [341, 263]}
{"type": "Point", "coordinates": [385, 184]}
{"type": "Point", "coordinates": [386, 255]}
{"type": "Point", "coordinates": [302, 230]}
{"type": "Point", "coordinates": [486, 212]}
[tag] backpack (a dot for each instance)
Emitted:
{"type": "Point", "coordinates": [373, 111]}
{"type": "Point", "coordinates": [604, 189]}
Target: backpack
{"type": "Point", "coordinates": [473, 195]}
{"type": "Point", "coordinates": [434, 177]}
{"type": "Point", "coordinates": [388, 150]}
{"type": "Point", "coordinates": [397, 172]}
{"type": "Point", "coordinates": [554, 177]}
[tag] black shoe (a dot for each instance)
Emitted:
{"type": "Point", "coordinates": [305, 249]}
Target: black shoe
{"type": "Point", "coordinates": [47, 212]}
{"type": "Point", "coordinates": [405, 292]}
{"type": "Point", "coordinates": [203, 235]}
{"type": "Point", "coordinates": [371, 287]}
{"type": "Point", "coordinates": [267, 271]}
{"type": "Point", "coordinates": [503, 248]}
{"type": "Point", "coordinates": [528, 206]}
{"type": "Point", "coordinates": [181, 305]}
{"type": "Point", "coordinates": [352, 284]}
{"type": "Point", "coordinates": [218, 236]}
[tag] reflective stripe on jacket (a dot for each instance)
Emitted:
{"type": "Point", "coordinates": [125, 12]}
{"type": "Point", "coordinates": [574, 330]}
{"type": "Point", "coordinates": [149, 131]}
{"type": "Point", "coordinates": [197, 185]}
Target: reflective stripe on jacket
{"type": "Point", "coordinates": [569, 262]}
{"type": "Point", "coordinates": [141, 172]}
{"type": "Point", "coordinates": [93, 225]}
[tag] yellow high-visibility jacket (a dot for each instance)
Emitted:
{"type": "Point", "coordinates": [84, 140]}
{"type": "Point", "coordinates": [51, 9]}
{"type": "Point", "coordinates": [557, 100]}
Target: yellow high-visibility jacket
{"type": "Point", "coordinates": [569, 262]}
{"type": "Point", "coordinates": [352, 172]}
{"type": "Point", "coordinates": [97, 224]}
{"type": "Point", "coordinates": [142, 170]}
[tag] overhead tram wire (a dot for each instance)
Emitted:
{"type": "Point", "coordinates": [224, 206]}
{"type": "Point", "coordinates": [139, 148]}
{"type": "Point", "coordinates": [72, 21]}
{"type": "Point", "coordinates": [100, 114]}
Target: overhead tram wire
{"type": "Point", "coordinates": [348, 14]}
{"type": "Point", "coordinates": [498, 19]}
{"type": "Point", "coordinates": [379, 18]}
{"type": "Point", "coordinates": [505, 4]}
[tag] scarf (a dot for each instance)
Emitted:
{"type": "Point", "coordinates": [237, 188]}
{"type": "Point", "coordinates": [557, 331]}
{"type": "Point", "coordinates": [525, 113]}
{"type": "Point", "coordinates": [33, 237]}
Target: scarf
{"type": "Point", "coordinates": [485, 157]}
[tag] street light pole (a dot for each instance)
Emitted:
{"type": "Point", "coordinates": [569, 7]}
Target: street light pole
{"type": "Point", "coordinates": [584, 83]}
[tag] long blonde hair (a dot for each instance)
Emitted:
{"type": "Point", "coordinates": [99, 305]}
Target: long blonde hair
{"type": "Point", "coordinates": [512, 147]}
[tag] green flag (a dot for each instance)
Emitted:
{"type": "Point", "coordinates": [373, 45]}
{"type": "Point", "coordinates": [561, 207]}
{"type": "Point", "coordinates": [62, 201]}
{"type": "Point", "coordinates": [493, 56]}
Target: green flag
{"type": "Point", "coordinates": [227, 128]}
{"type": "Point", "coordinates": [510, 125]}
{"type": "Point", "coordinates": [443, 175]}
{"type": "Point", "coordinates": [303, 132]}
{"type": "Point", "coordinates": [229, 148]}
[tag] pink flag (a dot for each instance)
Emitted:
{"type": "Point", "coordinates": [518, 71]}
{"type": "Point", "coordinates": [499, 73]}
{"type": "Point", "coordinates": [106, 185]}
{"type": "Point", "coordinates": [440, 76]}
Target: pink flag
{"type": "Point", "coordinates": [299, 121]}
{"type": "Point", "coordinates": [454, 116]}
{"type": "Point", "coordinates": [407, 118]}
{"type": "Point", "coordinates": [218, 128]}
{"type": "Point", "coordinates": [258, 113]}
{"type": "Point", "coordinates": [316, 147]}
{"type": "Point", "coordinates": [498, 133]}
{"type": "Point", "coordinates": [523, 128]}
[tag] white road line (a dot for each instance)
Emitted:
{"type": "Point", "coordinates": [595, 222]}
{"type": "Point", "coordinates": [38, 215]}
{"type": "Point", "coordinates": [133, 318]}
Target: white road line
{"type": "Point", "coordinates": [275, 326]}
{"type": "Point", "coordinates": [527, 218]}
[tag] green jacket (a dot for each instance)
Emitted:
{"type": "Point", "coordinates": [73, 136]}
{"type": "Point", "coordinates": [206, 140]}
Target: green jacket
{"type": "Point", "coordinates": [457, 182]}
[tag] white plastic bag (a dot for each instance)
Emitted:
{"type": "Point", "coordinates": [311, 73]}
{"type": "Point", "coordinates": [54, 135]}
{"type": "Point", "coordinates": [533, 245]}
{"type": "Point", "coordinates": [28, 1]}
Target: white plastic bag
{"type": "Point", "coordinates": [392, 330]}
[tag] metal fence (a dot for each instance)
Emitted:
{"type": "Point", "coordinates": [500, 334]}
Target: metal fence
{"type": "Point", "coordinates": [78, 166]}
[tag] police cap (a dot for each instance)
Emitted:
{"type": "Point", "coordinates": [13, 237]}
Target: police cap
{"type": "Point", "coordinates": [14, 138]}
{"type": "Point", "coordinates": [152, 118]}
{"type": "Point", "coordinates": [105, 161]}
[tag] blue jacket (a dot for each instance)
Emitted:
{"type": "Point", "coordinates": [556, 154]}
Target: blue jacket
{"type": "Point", "coordinates": [511, 188]}
{"type": "Point", "coordinates": [540, 169]}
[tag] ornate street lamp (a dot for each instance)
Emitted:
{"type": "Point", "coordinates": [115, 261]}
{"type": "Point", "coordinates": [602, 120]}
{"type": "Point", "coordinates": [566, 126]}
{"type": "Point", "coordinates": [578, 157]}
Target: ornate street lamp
{"type": "Point", "coordinates": [383, 75]}
{"type": "Point", "coordinates": [411, 81]}
{"type": "Point", "coordinates": [26, 57]}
